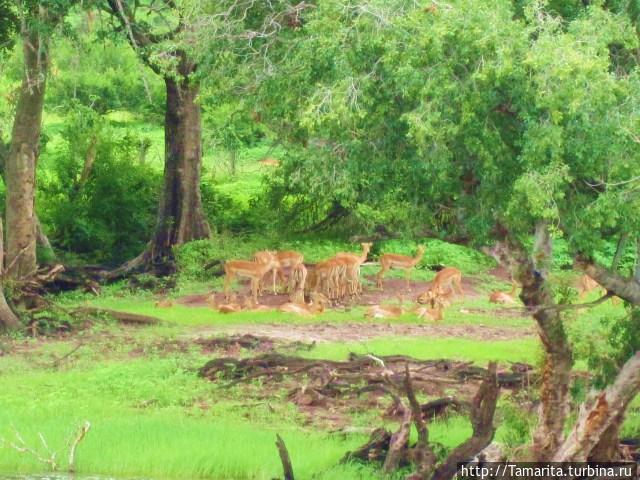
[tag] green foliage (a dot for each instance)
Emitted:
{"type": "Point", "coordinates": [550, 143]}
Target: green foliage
{"type": "Point", "coordinates": [438, 252]}
{"type": "Point", "coordinates": [622, 342]}
{"type": "Point", "coordinates": [102, 73]}
{"type": "Point", "coordinates": [109, 215]}
{"type": "Point", "coordinates": [515, 428]}
{"type": "Point", "coordinates": [8, 25]}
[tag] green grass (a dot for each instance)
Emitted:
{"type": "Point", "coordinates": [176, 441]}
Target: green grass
{"type": "Point", "coordinates": [517, 350]}
{"type": "Point", "coordinates": [154, 416]}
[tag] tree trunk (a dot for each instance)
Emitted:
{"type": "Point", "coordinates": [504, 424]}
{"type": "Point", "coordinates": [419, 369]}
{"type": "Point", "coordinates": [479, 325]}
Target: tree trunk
{"type": "Point", "coordinates": [607, 448]}
{"type": "Point", "coordinates": [41, 237]}
{"type": "Point", "coordinates": [636, 273]}
{"type": "Point", "coordinates": [21, 161]}
{"type": "Point", "coordinates": [556, 374]}
{"type": "Point", "coordinates": [180, 215]}
{"type": "Point", "coordinates": [600, 412]}
{"type": "Point", "coordinates": [8, 319]}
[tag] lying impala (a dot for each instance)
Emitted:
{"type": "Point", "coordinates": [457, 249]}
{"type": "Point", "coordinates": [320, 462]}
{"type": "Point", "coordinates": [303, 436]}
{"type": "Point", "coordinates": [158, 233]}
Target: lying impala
{"type": "Point", "coordinates": [390, 261]}
{"type": "Point", "coordinates": [317, 306]}
{"type": "Point", "coordinates": [435, 306]}
{"type": "Point", "coordinates": [504, 297]}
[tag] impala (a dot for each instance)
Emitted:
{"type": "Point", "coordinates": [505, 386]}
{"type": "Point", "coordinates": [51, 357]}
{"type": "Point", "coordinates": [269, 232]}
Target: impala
{"type": "Point", "coordinates": [317, 306]}
{"type": "Point", "coordinates": [434, 310]}
{"type": "Point", "coordinates": [246, 269]}
{"type": "Point", "coordinates": [587, 284]}
{"type": "Point", "coordinates": [284, 259]}
{"type": "Point", "coordinates": [390, 261]}
{"type": "Point", "coordinates": [352, 262]}
{"type": "Point", "coordinates": [504, 297]}
{"type": "Point", "coordinates": [447, 277]}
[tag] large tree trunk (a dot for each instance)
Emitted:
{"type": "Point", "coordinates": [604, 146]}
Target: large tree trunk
{"type": "Point", "coordinates": [636, 273]}
{"type": "Point", "coordinates": [180, 215]}
{"type": "Point", "coordinates": [556, 374]}
{"type": "Point", "coordinates": [21, 161]}
{"type": "Point", "coordinates": [8, 319]}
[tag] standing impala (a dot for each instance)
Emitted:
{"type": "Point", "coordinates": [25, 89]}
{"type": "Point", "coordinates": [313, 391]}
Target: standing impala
{"type": "Point", "coordinates": [247, 269]}
{"type": "Point", "coordinates": [450, 278]}
{"type": "Point", "coordinates": [282, 259]}
{"type": "Point", "coordinates": [402, 262]}
{"type": "Point", "coordinates": [352, 262]}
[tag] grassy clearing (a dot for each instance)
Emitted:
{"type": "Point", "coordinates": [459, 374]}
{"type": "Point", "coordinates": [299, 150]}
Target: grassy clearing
{"type": "Point", "coordinates": [154, 416]}
{"type": "Point", "coordinates": [519, 350]}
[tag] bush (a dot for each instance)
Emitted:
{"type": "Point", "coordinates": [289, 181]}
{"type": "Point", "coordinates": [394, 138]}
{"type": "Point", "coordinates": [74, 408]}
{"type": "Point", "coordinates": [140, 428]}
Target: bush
{"type": "Point", "coordinates": [111, 216]}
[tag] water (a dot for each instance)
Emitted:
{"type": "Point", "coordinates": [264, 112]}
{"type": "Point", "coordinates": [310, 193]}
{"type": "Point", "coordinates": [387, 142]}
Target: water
{"type": "Point", "coordinates": [65, 476]}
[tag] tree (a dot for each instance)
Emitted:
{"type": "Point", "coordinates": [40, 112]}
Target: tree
{"type": "Point", "coordinates": [38, 20]}
{"type": "Point", "coordinates": [180, 214]}
{"type": "Point", "coordinates": [235, 33]}
{"type": "Point", "coordinates": [8, 24]}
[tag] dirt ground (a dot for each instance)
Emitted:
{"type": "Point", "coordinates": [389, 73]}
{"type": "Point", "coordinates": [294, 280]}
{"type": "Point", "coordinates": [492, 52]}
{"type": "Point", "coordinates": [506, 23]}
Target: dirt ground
{"type": "Point", "coordinates": [394, 291]}
{"type": "Point", "coordinates": [356, 332]}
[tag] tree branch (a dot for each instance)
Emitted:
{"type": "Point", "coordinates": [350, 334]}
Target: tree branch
{"type": "Point", "coordinates": [483, 408]}
{"type": "Point", "coordinates": [626, 288]}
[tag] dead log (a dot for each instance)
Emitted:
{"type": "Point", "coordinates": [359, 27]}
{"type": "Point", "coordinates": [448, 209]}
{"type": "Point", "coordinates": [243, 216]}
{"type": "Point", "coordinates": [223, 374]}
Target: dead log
{"type": "Point", "coordinates": [483, 408]}
{"type": "Point", "coordinates": [399, 443]}
{"type": "Point", "coordinates": [284, 458]}
{"type": "Point", "coordinates": [123, 317]}
{"type": "Point", "coordinates": [246, 341]}
{"type": "Point", "coordinates": [424, 456]}
{"type": "Point", "coordinates": [440, 406]}
{"type": "Point", "coordinates": [375, 450]}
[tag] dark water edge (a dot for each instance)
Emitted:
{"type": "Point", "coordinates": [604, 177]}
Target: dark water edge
{"type": "Point", "coordinates": [66, 476]}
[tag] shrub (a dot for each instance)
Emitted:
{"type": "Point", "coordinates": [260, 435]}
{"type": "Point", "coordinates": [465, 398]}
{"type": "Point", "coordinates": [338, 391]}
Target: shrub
{"type": "Point", "coordinates": [110, 217]}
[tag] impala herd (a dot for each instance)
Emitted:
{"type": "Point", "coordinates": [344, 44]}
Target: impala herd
{"type": "Point", "coordinates": [332, 280]}
{"type": "Point", "coordinates": [338, 279]}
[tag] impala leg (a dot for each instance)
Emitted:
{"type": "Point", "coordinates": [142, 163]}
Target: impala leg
{"type": "Point", "coordinates": [254, 290]}
{"type": "Point", "coordinates": [459, 286]}
{"type": "Point", "coordinates": [274, 271]}
{"type": "Point", "coordinates": [227, 283]}
{"type": "Point", "coordinates": [282, 279]}
{"type": "Point", "coordinates": [380, 275]}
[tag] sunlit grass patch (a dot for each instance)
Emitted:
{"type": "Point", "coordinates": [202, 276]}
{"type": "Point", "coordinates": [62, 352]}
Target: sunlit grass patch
{"type": "Point", "coordinates": [517, 350]}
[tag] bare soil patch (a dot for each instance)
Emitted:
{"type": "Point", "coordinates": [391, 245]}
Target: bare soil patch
{"type": "Point", "coordinates": [356, 332]}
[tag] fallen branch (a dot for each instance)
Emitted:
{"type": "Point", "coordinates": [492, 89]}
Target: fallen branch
{"type": "Point", "coordinates": [375, 450]}
{"type": "Point", "coordinates": [399, 442]}
{"type": "Point", "coordinates": [22, 447]}
{"type": "Point", "coordinates": [123, 317]}
{"type": "Point", "coordinates": [72, 451]}
{"type": "Point", "coordinates": [61, 359]}
{"type": "Point", "coordinates": [284, 458]}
